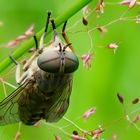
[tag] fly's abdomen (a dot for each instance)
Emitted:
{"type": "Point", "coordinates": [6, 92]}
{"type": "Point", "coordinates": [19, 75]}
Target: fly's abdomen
{"type": "Point", "coordinates": [31, 105]}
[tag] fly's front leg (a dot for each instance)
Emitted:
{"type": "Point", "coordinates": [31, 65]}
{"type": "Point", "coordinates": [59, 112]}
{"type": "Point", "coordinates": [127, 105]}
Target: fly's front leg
{"type": "Point", "coordinates": [45, 31]}
{"type": "Point", "coordinates": [19, 78]}
{"type": "Point", "coordinates": [56, 39]}
{"type": "Point", "coordinates": [34, 55]}
{"type": "Point", "coordinates": [66, 38]}
{"type": "Point", "coordinates": [39, 48]}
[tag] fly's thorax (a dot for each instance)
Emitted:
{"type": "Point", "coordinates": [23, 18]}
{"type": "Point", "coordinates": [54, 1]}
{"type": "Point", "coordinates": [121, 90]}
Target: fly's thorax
{"type": "Point", "coordinates": [58, 59]}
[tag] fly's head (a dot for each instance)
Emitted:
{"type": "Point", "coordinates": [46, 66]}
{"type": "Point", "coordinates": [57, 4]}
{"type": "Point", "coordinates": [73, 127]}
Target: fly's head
{"type": "Point", "coordinates": [59, 59]}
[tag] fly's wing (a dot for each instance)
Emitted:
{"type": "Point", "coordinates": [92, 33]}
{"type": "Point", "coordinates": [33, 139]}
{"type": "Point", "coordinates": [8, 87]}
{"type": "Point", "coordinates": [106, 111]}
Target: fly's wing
{"type": "Point", "coordinates": [9, 106]}
{"type": "Point", "coordinates": [59, 108]}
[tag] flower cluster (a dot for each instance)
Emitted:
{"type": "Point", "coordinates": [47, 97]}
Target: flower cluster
{"type": "Point", "coordinates": [20, 38]}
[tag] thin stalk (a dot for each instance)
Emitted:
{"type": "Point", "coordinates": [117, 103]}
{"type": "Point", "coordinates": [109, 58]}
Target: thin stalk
{"type": "Point", "coordinates": [69, 12]}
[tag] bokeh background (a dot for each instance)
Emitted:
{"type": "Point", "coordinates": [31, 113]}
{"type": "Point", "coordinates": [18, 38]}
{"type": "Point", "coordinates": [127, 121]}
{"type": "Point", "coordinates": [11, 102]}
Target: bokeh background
{"type": "Point", "coordinates": [110, 73]}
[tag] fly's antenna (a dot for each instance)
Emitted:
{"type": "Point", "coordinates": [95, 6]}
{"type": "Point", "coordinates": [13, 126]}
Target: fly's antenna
{"type": "Point", "coordinates": [64, 48]}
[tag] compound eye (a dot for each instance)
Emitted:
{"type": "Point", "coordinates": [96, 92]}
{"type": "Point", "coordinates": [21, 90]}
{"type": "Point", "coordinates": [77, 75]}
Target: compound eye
{"type": "Point", "coordinates": [71, 62]}
{"type": "Point", "coordinates": [49, 61]}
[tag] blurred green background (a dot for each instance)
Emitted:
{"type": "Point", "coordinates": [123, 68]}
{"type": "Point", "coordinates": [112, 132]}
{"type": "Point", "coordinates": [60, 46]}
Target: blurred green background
{"type": "Point", "coordinates": [98, 86]}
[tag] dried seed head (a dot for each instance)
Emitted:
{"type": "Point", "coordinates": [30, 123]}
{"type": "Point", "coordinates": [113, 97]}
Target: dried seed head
{"type": "Point", "coordinates": [136, 119]}
{"type": "Point", "coordinates": [86, 10]}
{"type": "Point", "coordinates": [37, 124]}
{"type": "Point", "coordinates": [120, 98]}
{"type": "Point", "coordinates": [134, 101]}
{"type": "Point", "coordinates": [114, 137]}
{"type": "Point", "coordinates": [102, 29]}
{"type": "Point", "coordinates": [31, 50]}
{"type": "Point", "coordinates": [18, 134]}
{"type": "Point", "coordinates": [1, 80]}
{"type": "Point", "coordinates": [57, 137]}
{"type": "Point", "coordinates": [75, 132]}
{"type": "Point", "coordinates": [84, 21]}
{"type": "Point", "coordinates": [100, 6]}
{"type": "Point", "coordinates": [137, 20]}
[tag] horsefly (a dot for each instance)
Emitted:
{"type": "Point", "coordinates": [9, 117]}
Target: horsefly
{"type": "Point", "coordinates": [46, 83]}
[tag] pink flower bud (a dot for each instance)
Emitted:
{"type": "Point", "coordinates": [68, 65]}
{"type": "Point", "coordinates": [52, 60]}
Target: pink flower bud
{"type": "Point", "coordinates": [11, 43]}
{"type": "Point", "coordinates": [87, 59]}
{"type": "Point", "coordinates": [97, 131]}
{"type": "Point", "coordinates": [113, 46]}
{"type": "Point", "coordinates": [21, 38]}
{"type": "Point", "coordinates": [89, 112]}
{"type": "Point", "coordinates": [76, 137]}
{"type": "Point", "coordinates": [29, 31]}
{"type": "Point", "coordinates": [130, 3]}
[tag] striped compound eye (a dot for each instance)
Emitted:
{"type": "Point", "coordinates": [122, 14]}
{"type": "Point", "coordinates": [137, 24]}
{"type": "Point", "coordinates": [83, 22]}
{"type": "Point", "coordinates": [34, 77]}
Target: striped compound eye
{"type": "Point", "coordinates": [54, 61]}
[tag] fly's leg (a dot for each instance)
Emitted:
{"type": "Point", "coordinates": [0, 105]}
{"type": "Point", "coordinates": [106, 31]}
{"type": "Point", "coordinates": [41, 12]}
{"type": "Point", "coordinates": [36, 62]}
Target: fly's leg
{"type": "Point", "coordinates": [45, 31]}
{"type": "Point", "coordinates": [18, 133]}
{"type": "Point", "coordinates": [3, 86]}
{"type": "Point", "coordinates": [19, 78]}
{"type": "Point", "coordinates": [66, 38]}
{"type": "Point", "coordinates": [34, 55]}
{"type": "Point", "coordinates": [56, 39]}
{"type": "Point", "coordinates": [39, 48]}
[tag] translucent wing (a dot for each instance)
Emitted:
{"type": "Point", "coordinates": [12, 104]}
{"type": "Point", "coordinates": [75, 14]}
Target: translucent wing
{"type": "Point", "coordinates": [9, 106]}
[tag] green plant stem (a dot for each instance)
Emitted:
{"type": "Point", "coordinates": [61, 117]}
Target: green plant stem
{"type": "Point", "coordinates": [69, 12]}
